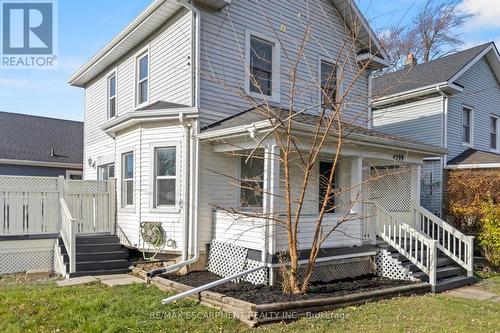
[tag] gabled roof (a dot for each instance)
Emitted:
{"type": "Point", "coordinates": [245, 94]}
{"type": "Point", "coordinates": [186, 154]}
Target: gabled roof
{"type": "Point", "coordinates": [473, 158]}
{"type": "Point", "coordinates": [248, 118]}
{"type": "Point", "coordinates": [31, 138]}
{"type": "Point", "coordinates": [158, 12]}
{"type": "Point", "coordinates": [442, 71]}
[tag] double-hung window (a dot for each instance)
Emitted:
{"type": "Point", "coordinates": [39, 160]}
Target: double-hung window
{"type": "Point", "coordinates": [112, 95]}
{"type": "Point", "coordinates": [494, 133]}
{"type": "Point", "coordinates": [142, 79]}
{"type": "Point", "coordinates": [104, 172]}
{"type": "Point", "coordinates": [128, 179]}
{"type": "Point", "coordinates": [251, 182]}
{"type": "Point", "coordinates": [467, 125]}
{"type": "Point", "coordinates": [261, 66]}
{"type": "Point", "coordinates": [165, 176]}
{"type": "Point", "coordinates": [328, 84]}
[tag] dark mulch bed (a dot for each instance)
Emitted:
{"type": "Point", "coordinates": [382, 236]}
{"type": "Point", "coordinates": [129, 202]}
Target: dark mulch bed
{"type": "Point", "coordinates": [271, 294]}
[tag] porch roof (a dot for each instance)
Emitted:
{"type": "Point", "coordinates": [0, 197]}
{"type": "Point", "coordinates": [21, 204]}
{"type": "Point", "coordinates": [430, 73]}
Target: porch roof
{"type": "Point", "coordinates": [255, 119]}
{"type": "Point", "coordinates": [473, 158]}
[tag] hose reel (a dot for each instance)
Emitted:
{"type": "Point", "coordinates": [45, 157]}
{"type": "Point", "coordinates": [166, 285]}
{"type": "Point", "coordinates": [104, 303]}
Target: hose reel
{"type": "Point", "coordinates": [154, 240]}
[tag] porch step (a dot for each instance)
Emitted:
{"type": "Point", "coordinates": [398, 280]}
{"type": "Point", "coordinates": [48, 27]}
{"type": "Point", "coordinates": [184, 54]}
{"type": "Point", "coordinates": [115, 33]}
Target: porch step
{"type": "Point", "coordinates": [441, 262]}
{"type": "Point", "coordinates": [441, 273]}
{"type": "Point", "coordinates": [97, 256]}
{"type": "Point", "coordinates": [93, 248]}
{"type": "Point", "coordinates": [100, 272]}
{"type": "Point", "coordinates": [102, 265]}
{"type": "Point", "coordinates": [97, 239]}
{"type": "Point", "coordinates": [454, 282]}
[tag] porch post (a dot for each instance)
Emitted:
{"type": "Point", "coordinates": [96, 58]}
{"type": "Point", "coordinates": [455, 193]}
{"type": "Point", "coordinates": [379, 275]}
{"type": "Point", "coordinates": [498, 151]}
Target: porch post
{"type": "Point", "coordinates": [270, 199]}
{"type": "Point", "coordinates": [356, 185]}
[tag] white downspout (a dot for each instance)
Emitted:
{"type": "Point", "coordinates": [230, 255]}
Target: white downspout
{"type": "Point", "coordinates": [191, 232]}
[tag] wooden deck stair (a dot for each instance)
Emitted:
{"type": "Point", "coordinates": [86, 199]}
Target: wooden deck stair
{"type": "Point", "coordinates": [97, 254]}
{"type": "Point", "coordinates": [449, 274]}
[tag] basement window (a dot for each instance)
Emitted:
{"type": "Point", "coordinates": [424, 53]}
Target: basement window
{"type": "Point", "coordinates": [251, 182]}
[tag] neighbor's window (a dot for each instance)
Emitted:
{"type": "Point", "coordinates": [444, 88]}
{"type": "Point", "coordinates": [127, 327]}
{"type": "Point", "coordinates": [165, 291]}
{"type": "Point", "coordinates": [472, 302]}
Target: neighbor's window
{"type": "Point", "coordinates": [143, 79]}
{"type": "Point", "coordinates": [104, 172]}
{"type": "Point", "coordinates": [127, 179]}
{"type": "Point", "coordinates": [165, 176]}
{"type": "Point", "coordinates": [261, 66]}
{"type": "Point", "coordinates": [112, 95]}
{"type": "Point", "coordinates": [328, 84]}
{"type": "Point", "coordinates": [494, 133]}
{"type": "Point", "coordinates": [251, 182]}
{"type": "Point", "coordinates": [466, 125]}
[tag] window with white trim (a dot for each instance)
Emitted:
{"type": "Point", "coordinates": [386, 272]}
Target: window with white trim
{"type": "Point", "coordinates": [467, 125]}
{"type": "Point", "coordinates": [128, 179]}
{"type": "Point", "coordinates": [104, 172]}
{"type": "Point", "coordinates": [251, 182]}
{"type": "Point", "coordinates": [328, 84]}
{"type": "Point", "coordinates": [112, 95]}
{"type": "Point", "coordinates": [142, 79]}
{"type": "Point", "coordinates": [165, 176]}
{"type": "Point", "coordinates": [494, 133]}
{"type": "Point", "coordinates": [261, 66]}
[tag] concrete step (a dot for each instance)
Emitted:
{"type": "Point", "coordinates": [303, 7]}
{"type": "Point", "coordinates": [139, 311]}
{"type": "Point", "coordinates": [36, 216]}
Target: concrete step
{"type": "Point", "coordinates": [441, 273]}
{"type": "Point", "coordinates": [99, 272]}
{"type": "Point", "coordinates": [102, 265]}
{"type": "Point", "coordinates": [453, 282]}
{"type": "Point", "coordinates": [97, 239]}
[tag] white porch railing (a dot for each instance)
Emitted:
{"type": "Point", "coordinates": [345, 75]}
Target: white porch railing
{"type": "Point", "coordinates": [411, 243]}
{"type": "Point", "coordinates": [68, 234]}
{"type": "Point", "coordinates": [451, 241]}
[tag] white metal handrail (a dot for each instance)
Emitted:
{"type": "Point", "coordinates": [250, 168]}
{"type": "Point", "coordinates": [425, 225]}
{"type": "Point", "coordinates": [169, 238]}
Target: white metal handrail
{"type": "Point", "coordinates": [450, 241]}
{"type": "Point", "coordinates": [410, 242]}
{"type": "Point", "coordinates": [68, 234]}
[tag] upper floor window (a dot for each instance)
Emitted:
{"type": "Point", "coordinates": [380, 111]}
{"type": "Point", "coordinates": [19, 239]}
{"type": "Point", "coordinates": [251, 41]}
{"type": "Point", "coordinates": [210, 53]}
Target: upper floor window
{"type": "Point", "coordinates": [467, 125]}
{"type": "Point", "coordinates": [112, 95]}
{"type": "Point", "coordinates": [263, 59]}
{"type": "Point", "coordinates": [165, 176]}
{"type": "Point", "coordinates": [328, 84]}
{"type": "Point", "coordinates": [494, 132]}
{"type": "Point", "coordinates": [127, 179]}
{"type": "Point", "coordinates": [251, 182]}
{"type": "Point", "coordinates": [142, 79]}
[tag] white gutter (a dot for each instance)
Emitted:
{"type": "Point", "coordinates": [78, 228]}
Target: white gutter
{"type": "Point", "coordinates": [196, 60]}
{"type": "Point", "coordinates": [415, 93]}
{"type": "Point", "coordinates": [42, 164]}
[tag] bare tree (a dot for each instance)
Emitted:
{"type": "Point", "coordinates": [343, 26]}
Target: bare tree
{"type": "Point", "coordinates": [432, 33]}
{"type": "Point", "coordinates": [341, 111]}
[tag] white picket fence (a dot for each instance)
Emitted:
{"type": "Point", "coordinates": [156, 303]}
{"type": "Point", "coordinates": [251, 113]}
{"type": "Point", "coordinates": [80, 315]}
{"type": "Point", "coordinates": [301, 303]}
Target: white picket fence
{"type": "Point", "coordinates": [32, 206]}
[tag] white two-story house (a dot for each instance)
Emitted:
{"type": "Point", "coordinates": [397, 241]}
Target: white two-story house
{"type": "Point", "coordinates": [172, 105]}
{"type": "Point", "coordinates": [451, 102]}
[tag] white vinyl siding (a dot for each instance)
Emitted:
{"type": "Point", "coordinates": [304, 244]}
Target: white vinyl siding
{"type": "Point", "coordinates": [482, 92]}
{"type": "Point", "coordinates": [420, 120]}
{"type": "Point", "coordinates": [223, 62]}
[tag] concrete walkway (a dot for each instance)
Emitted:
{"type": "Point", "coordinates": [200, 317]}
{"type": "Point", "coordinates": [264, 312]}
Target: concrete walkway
{"type": "Point", "coordinates": [109, 280]}
{"type": "Point", "coordinates": [476, 292]}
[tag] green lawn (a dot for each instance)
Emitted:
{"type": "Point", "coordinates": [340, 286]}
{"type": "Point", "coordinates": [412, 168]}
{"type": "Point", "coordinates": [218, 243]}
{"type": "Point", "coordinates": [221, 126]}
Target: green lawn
{"type": "Point", "coordinates": [43, 307]}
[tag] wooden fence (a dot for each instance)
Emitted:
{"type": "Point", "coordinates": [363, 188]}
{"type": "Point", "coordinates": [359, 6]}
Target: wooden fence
{"type": "Point", "coordinates": [31, 205]}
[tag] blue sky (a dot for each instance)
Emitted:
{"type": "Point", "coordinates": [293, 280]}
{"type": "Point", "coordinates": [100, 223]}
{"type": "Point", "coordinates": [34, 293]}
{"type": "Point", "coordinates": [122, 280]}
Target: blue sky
{"type": "Point", "coordinates": [85, 26]}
